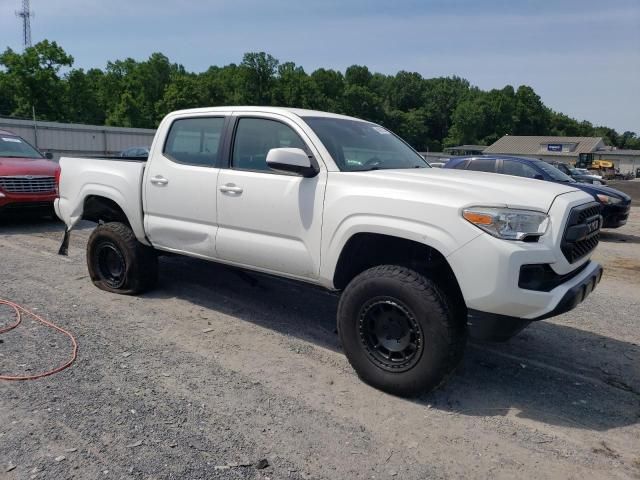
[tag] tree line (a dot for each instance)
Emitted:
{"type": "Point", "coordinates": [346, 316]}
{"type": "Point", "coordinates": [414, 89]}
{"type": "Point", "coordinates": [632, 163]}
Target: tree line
{"type": "Point", "coordinates": [430, 113]}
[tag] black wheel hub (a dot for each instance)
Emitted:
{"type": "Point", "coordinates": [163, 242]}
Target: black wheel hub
{"type": "Point", "coordinates": [111, 264]}
{"type": "Point", "coordinates": [390, 334]}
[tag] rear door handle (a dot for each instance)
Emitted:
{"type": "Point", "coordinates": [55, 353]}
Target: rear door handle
{"type": "Point", "coordinates": [231, 188]}
{"type": "Point", "coordinates": [159, 180]}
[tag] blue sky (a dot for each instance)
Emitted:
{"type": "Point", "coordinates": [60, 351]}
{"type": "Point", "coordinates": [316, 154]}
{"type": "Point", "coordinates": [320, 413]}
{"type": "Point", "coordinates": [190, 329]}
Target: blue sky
{"type": "Point", "coordinates": [581, 57]}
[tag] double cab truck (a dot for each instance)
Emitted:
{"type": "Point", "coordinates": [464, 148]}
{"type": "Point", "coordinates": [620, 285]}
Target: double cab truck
{"type": "Point", "coordinates": [27, 177]}
{"type": "Point", "coordinates": [421, 257]}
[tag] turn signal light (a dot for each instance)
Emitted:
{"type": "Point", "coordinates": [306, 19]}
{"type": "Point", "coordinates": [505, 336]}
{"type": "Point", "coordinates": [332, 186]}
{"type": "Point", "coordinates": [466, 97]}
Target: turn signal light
{"type": "Point", "coordinates": [477, 218]}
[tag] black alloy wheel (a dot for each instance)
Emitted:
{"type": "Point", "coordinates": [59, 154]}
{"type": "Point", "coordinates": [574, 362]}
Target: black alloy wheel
{"type": "Point", "coordinates": [112, 264]}
{"type": "Point", "coordinates": [391, 335]}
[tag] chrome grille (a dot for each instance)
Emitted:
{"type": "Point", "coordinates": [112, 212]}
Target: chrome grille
{"type": "Point", "coordinates": [28, 184]}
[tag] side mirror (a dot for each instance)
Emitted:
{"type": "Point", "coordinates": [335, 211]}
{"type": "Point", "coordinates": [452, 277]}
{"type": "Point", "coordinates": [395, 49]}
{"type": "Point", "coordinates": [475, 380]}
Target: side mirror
{"type": "Point", "coordinates": [48, 156]}
{"type": "Point", "coordinates": [537, 176]}
{"type": "Point", "coordinates": [291, 160]}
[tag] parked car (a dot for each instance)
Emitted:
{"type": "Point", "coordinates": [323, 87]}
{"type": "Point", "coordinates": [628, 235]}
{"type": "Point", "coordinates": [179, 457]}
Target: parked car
{"type": "Point", "coordinates": [419, 255]}
{"type": "Point", "coordinates": [135, 152]}
{"type": "Point", "coordinates": [614, 204]}
{"type": "Point", "coordinates": [579, 175]}
{"type": "Point", "coordinates": [27, 177]}
{"type": "Point", "coordinates": [584, 171]}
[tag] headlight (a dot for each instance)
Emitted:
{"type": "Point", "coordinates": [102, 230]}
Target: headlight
{"type": "Point", "coordinates": [607, 200]}
{"type": "Point", "coordinates": [507, 223]}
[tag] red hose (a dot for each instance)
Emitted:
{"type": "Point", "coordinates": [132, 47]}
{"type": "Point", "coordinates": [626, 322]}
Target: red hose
{"type": "Point", "coordinates": [19, 311]}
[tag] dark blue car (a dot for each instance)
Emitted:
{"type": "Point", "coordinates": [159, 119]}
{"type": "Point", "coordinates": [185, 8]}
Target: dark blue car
{"type": "Point", "coordinates": [615, 205]}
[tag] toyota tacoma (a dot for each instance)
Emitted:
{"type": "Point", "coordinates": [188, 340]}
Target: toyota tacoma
{"type": "Point", "coordinates": [421, 257]}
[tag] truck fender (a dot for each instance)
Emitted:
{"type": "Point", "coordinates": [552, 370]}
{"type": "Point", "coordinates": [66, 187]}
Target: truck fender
{"type": "Point", "coordinates": [424, 233]}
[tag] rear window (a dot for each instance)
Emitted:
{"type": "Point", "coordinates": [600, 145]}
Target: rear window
{"type": "Point", "coordinates": [15, 147]}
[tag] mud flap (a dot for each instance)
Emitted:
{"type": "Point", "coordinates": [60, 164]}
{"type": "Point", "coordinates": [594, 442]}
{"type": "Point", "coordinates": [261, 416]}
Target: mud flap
{"type": "Point", "coordinates": [64, 246]}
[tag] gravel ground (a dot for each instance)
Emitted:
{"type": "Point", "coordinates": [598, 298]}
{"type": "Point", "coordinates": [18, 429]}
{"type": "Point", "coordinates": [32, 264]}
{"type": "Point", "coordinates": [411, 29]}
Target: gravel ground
{"type": "Point", "coordinates": [630, 187]}
{"type": "Point", "coordinates": [216, 370]}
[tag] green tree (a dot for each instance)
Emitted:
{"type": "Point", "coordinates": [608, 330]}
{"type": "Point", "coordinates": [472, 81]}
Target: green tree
{"type": "Point", "coordinates": [183, 91]}
{"type": "Point", "coordinates": [330, 87]}
{"type": "Point", "coordinates": [34, 80]}
{"type": "Point", "coordinates": [358, 75]}
{"type": "Point", "coordinates": [294, 88]}
{"type": "Point", "coordinates": [429, 113]}
{"type": "Point", "coordinates": [532, 117]}
{"type": "Point", "coordinates": [440, 98]}
{"type": "Point", "coordinates": [7, 97]}
{"type": "Point", "coordinates": [137, 88]}
{"type": "Point", "coordinates": [258, 72]}
{"type": "Point", "coordinates": [406, 91]}
{"type": "Point", "coordinates": [81, 100]}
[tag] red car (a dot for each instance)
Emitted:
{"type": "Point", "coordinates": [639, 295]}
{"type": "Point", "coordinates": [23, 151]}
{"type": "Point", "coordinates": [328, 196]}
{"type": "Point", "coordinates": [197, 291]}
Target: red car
{"type": "Point", "coordinates": [28, 179]}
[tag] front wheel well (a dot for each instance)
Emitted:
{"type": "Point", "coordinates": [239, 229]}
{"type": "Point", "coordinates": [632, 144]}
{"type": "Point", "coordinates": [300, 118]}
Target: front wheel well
{"type": "Point", "coordinates": [367, 250]}
{"type": "Point", "coordinates": [101, 209]}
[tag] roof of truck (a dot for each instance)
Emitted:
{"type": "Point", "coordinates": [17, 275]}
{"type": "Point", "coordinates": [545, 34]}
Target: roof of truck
{"type": "Point", "coordinates": [300, 112]}
{"type": "Point", "coordinates": [7, 132]}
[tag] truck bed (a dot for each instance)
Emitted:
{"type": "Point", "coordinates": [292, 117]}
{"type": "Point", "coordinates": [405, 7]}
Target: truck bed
{"type": "Point", "coordinates": [117, 179]}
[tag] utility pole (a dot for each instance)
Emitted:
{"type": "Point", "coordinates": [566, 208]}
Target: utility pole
{"type": "Point", "coordinates": [25, 15]}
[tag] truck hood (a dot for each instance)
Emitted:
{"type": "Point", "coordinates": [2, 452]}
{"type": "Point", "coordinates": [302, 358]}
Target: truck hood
{"type": "Point", "coordinates": [10, 166]}
{"type": "Point", "coordinates": [464, 188]}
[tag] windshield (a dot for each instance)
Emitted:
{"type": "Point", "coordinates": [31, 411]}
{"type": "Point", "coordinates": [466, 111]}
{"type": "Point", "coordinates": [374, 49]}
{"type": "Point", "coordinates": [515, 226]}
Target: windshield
{"type": "Point", "coordinates": [554, 173]}
{"type": "Point", "coordinates": [11, 146]}
{"type": "Point", "coordinates": [358, 146]}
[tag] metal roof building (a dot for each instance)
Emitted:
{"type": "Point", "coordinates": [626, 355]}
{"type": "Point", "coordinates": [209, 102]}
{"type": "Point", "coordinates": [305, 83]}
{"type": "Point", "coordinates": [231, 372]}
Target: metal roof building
{"type": "Point", "coordinates": [545, 146]}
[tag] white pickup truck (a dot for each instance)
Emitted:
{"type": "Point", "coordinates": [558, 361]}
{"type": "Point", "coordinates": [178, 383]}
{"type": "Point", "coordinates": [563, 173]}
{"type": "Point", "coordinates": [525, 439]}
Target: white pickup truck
{"type": "Point", "coordinates": [421, 256]}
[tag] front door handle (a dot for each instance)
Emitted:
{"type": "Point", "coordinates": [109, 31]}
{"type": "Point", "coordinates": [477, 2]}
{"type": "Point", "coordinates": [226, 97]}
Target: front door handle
{"type": "Point", "coordinates": [231, 188]}
{"type": "Point", "coordinates": [159, 180]}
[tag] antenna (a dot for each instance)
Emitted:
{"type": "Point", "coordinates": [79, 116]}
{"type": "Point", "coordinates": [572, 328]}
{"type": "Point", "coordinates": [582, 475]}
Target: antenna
{"type": "Point", "coordinates": [25, 14]}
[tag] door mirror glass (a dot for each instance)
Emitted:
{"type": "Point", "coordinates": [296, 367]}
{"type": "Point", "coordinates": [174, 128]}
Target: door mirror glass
{"type": "Point", "coordinates": [291, 160]}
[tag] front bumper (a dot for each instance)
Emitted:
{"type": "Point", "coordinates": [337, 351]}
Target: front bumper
{"type": "Point", "coordinates": [496, 327]}
{"type": "Point", "coordinates": [14, 202]}
{"type": "Point", "coordinates": [614, 216]}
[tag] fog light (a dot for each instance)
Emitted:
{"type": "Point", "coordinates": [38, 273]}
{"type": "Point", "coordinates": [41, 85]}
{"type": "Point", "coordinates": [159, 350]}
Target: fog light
{"type": "Point", "coordinates": [531, 276]}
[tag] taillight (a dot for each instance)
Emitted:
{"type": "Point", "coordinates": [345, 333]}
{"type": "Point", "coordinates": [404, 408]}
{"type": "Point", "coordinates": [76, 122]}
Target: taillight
{"type": "Point", "coordinates": [57, 180]}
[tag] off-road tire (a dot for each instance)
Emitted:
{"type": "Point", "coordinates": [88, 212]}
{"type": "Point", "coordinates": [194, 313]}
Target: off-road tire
{"type": "Point", "coordinates": [138, 263]}
{"type": "Point", "coordinates": [431, 311]}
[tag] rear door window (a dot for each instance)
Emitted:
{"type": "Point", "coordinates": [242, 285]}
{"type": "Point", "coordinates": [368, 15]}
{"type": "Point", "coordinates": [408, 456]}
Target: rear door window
{"type": "Point", "coordinates": [462, 165]}
{"type": "Point", "coordinates": [482, 166]}
{"type": "Point", "coordinates": [519, 169]}
{"type": "Point", "coordinates": [195, 141]}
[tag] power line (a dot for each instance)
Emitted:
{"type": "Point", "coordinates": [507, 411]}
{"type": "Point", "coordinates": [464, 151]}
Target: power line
{"type": "Point", "coordinates": [25, 15]}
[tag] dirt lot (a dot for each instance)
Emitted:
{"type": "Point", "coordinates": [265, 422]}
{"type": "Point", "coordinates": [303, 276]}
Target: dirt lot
{"type": "Point", "coordinates": [216, 369]}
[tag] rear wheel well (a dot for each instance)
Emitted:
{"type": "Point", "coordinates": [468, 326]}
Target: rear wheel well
{"type": "Point", "coordinates": [367, 250]}
{"type": "Point", "coordinates": [101, 209]}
